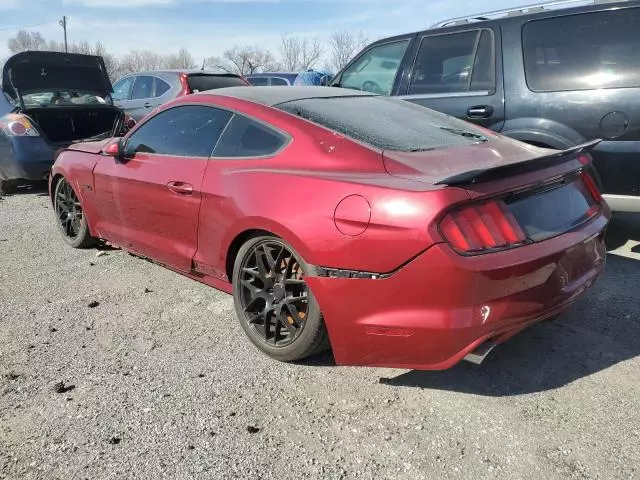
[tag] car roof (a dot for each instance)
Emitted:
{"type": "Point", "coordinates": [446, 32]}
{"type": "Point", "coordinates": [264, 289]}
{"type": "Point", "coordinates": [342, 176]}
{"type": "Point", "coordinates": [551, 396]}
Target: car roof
{"type": "Point", "coordinates": [529, 12]}
{"type": "Point", "coordinates": [271, 96]}
{"type": "Point", "coordinates": [187, 71]}
{"type": "Point", "coordinates": [270, 74]}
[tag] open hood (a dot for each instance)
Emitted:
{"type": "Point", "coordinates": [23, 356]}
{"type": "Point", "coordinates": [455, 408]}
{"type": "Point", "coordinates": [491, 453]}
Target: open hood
{"type": "Point", "coordinates": [32, 72]}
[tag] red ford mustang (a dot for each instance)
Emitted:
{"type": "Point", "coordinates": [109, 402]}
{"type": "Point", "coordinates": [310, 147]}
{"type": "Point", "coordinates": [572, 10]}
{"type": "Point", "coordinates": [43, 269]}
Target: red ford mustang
{"type": "Point", "coordinates": [391, 233]}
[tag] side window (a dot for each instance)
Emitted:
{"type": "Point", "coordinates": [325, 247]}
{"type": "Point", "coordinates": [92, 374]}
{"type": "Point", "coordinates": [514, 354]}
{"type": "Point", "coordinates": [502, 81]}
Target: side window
{"type": "Point", "coordinates": [455, 63]}
{"type": "Point", "coordinates": [259, 81]}
{"type": "Point", "coordinates": [277, 81]}
{"type": "Point", "coordinates": [122, 88]}
{"type": "Point", "coordinates": [161, 87]}
{"type": "Point", "coordinates": [142, 88]}
{"type": "Point", "coordinates": [246, 138]}
{"type": "Point", "coordinates": [188, 131]}
{"type": "Point", "coordinates": [583, 52]}
{"type": "Point", "coordinates": [375, 70]}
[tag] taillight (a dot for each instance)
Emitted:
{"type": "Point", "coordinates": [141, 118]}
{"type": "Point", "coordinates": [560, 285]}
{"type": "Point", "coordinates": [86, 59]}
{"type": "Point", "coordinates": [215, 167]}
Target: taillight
{"type": "Point", "coordinates": [16, 125]}
{"type": "Point", "coordinates": [483, 227]}
{"type": "Point", "coordinates": [184, 81]}
{"type": "Point", "coordinates": [591, 187]}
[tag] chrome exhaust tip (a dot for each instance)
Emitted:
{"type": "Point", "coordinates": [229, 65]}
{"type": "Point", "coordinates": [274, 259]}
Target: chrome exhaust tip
{"type": "Point", "coordinates": [480, 353]}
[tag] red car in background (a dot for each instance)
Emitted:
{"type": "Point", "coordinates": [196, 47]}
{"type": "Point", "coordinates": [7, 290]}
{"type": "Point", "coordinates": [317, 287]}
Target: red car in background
{"type": "Point", "coordinates": [395, 235]}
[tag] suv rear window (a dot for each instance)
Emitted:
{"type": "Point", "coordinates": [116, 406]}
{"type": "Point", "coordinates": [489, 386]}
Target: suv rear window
{"type": "Point", "coordinates": [386, 123]}
{"type": "Point", "coordinates": [201, 83]}
{"type": "Point", "coordinates": [583, 52]}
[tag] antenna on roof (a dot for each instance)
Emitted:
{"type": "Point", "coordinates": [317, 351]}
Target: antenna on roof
{"type": "Point", "coordinates": [203, 62]}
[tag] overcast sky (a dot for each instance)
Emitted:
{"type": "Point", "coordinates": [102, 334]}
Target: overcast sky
{"type": "Point", "coordinates": [208, 27]}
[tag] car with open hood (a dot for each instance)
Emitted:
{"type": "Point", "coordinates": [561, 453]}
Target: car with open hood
{"type": "Point", "coordinates": [51, 100]}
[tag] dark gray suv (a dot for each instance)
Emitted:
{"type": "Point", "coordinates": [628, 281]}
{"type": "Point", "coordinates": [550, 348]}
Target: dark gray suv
{"type": "Point", "coordinates": [549, 76]}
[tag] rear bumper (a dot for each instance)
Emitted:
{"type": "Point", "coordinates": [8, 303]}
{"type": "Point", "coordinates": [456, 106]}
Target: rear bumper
{"type": "Point", "coordinates": [441, 306]}
{"type": "Point", "coordinates": [27, 158]}
{"type": "Point", "coordinates": [618, 165]}
{"type": "Point", "coordinates": [623, 203]}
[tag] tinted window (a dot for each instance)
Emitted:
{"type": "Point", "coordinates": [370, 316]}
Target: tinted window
{"type": "Point", "coordinates": [375, 70]}
{"type": "Point", "coordinates": [201, 83]}
{"type": "Point", "coordinates": [459, 62]}
{"type": "Point", "coordinates": [142, 88]}
{"type": "Point", "coordinates": [279, 81]}
{"type": "Point", "coordinates": [122, 87]}
{"type": "Point", "coordinates": [162, 87]}
{"type": "Point", "coordinates": [189, 131]}
{"type": "Point", "coordinates": [386, 123]}
{"type": "Point", "coordinates": [259, 81]}
{"type": "Point", "coordinates": [246, 138]}
{"type": "Point", "coordinates": [581, 52]}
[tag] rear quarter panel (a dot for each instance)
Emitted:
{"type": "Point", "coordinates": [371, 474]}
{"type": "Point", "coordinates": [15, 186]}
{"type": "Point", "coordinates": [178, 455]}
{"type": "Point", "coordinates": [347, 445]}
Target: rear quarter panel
{"type": "Point", "coordinates": [295, 194]}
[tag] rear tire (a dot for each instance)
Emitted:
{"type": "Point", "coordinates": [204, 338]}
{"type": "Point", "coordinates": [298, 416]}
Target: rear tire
{"type": "Point", "coordinates": [69, 216]}
{"type": "Point", "coordinates": [7, 187]}
{"type": "Point", "coordinates": [274, 305]}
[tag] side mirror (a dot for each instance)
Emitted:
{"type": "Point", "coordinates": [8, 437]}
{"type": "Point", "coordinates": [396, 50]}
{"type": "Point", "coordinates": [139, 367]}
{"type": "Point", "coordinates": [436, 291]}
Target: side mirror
{"type": "Point", "coordinates": [115, 149]}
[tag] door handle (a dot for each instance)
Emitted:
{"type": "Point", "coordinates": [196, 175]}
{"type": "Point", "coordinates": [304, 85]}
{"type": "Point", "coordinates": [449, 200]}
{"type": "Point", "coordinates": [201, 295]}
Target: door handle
{"type": "Point", "coordinates": [480, 111]}
{"type": "Point", "coordinates": [147, 105]}
{"type": "Point", "coordinates": [180, 188]}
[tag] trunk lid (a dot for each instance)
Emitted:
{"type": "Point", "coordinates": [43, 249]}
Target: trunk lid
{"type": "Point", "coordinates": [476, 163]}
{"type": "Point", "coordinates": [33, 72]}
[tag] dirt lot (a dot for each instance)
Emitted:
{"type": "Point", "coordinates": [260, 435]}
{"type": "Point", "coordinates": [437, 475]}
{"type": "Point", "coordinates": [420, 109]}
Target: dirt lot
{"type": "Point", "coordinates": [166, 385]}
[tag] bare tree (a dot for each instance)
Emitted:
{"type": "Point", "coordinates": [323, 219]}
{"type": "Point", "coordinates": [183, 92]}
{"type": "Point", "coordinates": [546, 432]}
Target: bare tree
{"type": "Point", "coordinates": [344, 45]}
{"type": "Point", "coordinates": [141, 60]}
{"type": "Point", "coordinates": [300, 53]}
{"type": "Point", "coordinates": [244, 60]}
{"type": "Point", "coordinates": [24, 41]}
{"type": "Point", "coordinates": [183, 59]}
{"type": "Point", "coordinates": [111, 63]}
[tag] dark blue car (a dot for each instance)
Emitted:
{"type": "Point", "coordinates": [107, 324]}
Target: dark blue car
{"type": "Point", "coordinates": [48, 101]}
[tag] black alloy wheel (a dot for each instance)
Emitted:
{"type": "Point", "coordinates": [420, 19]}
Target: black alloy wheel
{"type": "Point", "coordinates": [275, 306]}
{"type": "Point", "coordinates": [70, 216]}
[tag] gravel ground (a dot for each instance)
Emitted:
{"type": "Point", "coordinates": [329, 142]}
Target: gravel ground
{"type": "Point", "coordinates": [160, 382]}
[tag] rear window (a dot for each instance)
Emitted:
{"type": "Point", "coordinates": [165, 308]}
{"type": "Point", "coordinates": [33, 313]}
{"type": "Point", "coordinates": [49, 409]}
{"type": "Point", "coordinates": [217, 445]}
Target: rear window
{"type": "Point", "coordinates": [246, 138]}
{"type": "Point", "coordinates": [386, 123]}
{"type": "Point", "coordinates": [583, 52]}
{"type": "Point", "coordinates": [259, 81]}
{"type": "Point", "coordinates": [201, 83]}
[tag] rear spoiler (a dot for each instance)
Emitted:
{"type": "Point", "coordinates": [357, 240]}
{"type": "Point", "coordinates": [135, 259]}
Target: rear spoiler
{"type": "Point", "coordinates": [537, 163]}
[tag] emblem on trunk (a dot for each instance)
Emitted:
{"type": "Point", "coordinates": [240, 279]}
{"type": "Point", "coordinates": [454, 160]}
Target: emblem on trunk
{"type": "Point", "coordinates": [43, 72]}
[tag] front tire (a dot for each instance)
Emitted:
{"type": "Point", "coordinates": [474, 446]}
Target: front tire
{"type": "Point", "coordinates": [69, 216]}
{"type": "Point", "coordinates": [276, 308]}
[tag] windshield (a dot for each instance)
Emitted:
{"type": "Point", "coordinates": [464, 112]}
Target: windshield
{"type": "Point", "coordinates": [386, 123]}
{"type": "Point", "coordinates": [46, 99]}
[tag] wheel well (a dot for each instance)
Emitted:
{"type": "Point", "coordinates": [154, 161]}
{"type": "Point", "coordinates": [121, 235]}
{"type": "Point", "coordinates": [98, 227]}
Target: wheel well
{"type": "Point", "coordinates": [235, 246]}
{"type": "Point", "coordinates": [54, 183]}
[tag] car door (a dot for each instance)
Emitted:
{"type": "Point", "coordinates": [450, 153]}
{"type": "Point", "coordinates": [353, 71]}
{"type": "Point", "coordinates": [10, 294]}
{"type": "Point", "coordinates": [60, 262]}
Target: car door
{"type": "Point", "coordinates": [245, 142]}
{"type": "Point", "coordinates": [457, 74]}
{"type": "Point", "coordinates": [149, 201]}
{"type": "Point", "coordinates": [142, 97]}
